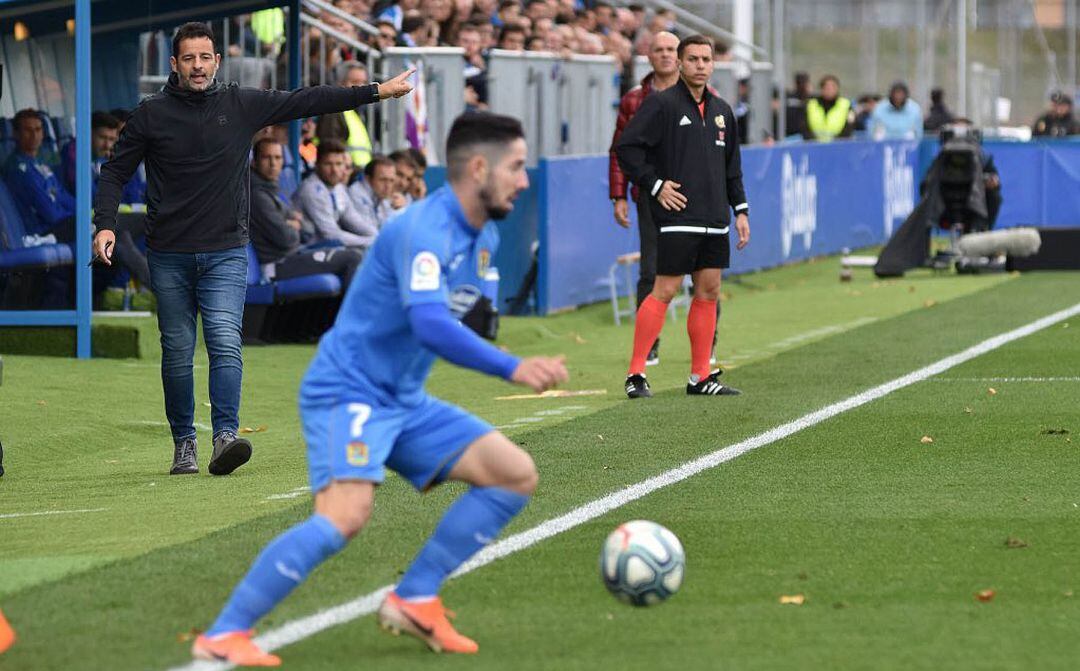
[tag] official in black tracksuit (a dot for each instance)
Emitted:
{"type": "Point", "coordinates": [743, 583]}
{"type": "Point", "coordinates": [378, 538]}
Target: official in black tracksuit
{"type": "Point", "coordinates": [195, 139]}
{"type": "Point", "coordinates": [682, 150]}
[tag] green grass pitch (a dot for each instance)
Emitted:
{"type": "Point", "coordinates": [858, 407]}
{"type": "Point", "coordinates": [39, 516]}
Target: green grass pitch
{"type": "Point", "coordinates": [886, 537]}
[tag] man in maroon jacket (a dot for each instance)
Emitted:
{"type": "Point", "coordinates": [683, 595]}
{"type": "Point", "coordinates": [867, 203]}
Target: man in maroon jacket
{"type": "Point", "coordinates": [665, 65]}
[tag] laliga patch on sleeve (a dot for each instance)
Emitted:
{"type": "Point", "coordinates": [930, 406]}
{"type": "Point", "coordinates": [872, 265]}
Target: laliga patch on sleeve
{"type": "Point", "coordinates": [425, 272]}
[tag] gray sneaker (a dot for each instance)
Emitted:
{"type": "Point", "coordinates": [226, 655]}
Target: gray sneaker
{"type": "Point", "coordinates": [185, 459]}
{"type": "Point", "coordinates": [230, 453]}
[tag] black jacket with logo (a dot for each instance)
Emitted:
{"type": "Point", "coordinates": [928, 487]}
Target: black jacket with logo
{"type": "Point", "coordinates": [669, 140]}
{"type": "Point", "coordinates": [196, 145]}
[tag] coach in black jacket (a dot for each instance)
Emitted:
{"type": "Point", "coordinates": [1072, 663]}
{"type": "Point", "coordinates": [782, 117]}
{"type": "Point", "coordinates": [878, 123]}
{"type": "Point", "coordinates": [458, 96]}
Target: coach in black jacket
{"type": "Point", "coordinates": [195, 138]}
{"type": "Point", "coordinates": [682, 148]}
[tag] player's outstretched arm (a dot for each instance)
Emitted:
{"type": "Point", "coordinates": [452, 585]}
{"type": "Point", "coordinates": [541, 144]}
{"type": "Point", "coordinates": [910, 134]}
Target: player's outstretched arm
{"type": "Point", "coordinates": [438, 331]}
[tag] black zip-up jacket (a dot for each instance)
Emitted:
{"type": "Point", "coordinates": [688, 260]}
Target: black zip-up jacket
{"type": "Point", "coordinates": [669, 140]}
{"type": "Point", "coordinates": [196, 145]}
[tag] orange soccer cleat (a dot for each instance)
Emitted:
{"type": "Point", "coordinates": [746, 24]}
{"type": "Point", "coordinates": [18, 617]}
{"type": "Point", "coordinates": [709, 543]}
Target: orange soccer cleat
{"type": "Point", "coordinates": [7, 634]}
{"type": "Point", "coordinates": [235, 647]}
{"type": "Point", "coordinates": [427, 621]}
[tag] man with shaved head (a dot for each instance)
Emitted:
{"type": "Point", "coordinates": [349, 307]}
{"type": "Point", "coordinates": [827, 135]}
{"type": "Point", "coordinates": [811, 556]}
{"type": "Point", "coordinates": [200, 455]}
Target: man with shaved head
{"type": "Point", "coordinates": [665, 65]}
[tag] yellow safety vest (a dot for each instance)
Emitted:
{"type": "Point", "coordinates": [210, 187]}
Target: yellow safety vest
{"type": "Point", "coordinates": [824, 126]}
{"type": "Point", "coordinates": [269, 25]}
{"type": "Point", "coordinates": [359, 143]}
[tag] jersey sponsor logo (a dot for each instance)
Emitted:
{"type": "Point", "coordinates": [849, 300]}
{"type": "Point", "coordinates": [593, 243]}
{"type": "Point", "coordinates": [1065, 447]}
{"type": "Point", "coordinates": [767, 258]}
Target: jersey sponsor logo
{"type": "Point", "coordinates": [356, 453]}
{"type": "Point", "coordinates": [899, 188]}
{"type": "Point", "coordinates": [720, 121]}
{"type": "Point", "coordinates": [222, 120]}
{"type": "Point", "coordinates": [425, 272]}
{"type": "Point", "coordinates": [798, 203]}
{"type": "Point", "coordinates": [462, 299]}
{"type": "Point", "coordinates": [684, 121]}
{"type": "Point", "coordinates": [483, 261]}
{"type": "Point", "coordinates": [456, 261]}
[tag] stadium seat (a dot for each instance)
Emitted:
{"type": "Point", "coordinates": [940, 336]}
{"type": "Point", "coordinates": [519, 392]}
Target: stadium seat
{"type": "Point", "coordinates": [291, 310]}
{"type": "Point", "coordinates": [14, 256]}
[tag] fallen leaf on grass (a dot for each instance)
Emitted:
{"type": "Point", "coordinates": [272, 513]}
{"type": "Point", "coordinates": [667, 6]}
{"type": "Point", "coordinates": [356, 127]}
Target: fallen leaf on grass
{"type": "Point", "coordinates": [792, 599]}
{"type": "Point", "coordinates": [929, 303]}
{"type": "Point", "coordinates": [1015, 543]}
{"type": "Point", "coordinates": [258, 429]}
{"type": "Point", "coordinates": [985, 595]}
{"type": "Point", "coordinates": [600, 436]}
{"type": "Point", "coordinates": [186, 636]}
{"type": "Point", "coordinates": [1068, 594]}
{"type": "Point", "coordinates": [579, 340]}
{"type": "Point", "coordinates": [968, 410]}
{"type": "Point", "coordinates": [926, 440]}
{"type": "Point", "coordinates": [911, 290]}
{"type": "Point", "coordinates": [42, 402]}
{"type": "Point", "coordinates": [991, 391]}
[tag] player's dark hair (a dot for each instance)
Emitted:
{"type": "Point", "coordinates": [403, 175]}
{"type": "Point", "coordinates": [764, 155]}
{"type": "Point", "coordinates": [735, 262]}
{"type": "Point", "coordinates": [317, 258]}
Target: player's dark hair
{"type": "Point", "coordinates": [694, 39]}
{"type": "Point", "coordinates": [23, 114]}
{"type": "Point", "coordinates": [327, 147]}
{"type": "Point", "coordinates": [191, 31]}
{"type": "Point", "coordinates": [103, 120]}
{"type": "Point", "coordinates": [257, 149]}
{"type": "Point", "coordinates": [474, 132]}
{"type": "Point", "coordinates": [374, 163]}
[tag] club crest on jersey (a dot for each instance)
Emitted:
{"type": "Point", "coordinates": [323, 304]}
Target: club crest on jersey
{"type": "Point", "coordinates": [425, 272]}
{"type": "Point", "coordinates": [483, 260]}
{"type": "Point", "coordinates": [356, 453]}
{"type": "Point", "coordinates": [719, 119]}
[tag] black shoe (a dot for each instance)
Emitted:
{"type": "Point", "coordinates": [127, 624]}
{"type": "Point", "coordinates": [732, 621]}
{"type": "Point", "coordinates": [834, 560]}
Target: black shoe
{"type": "Point", "coordinates": [185, 459]}
{"type": "Point", "coordinates": [637, 386]}
{"type": "Point", "coordinates": [711, 386]}
{"type": "Point", "coordinates": [230, 453]}
{"type": "Point", "coordinates": [654, 354]}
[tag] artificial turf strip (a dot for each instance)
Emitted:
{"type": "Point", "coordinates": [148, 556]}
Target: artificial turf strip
{"type": "Point", "coordinates": [140, 606]}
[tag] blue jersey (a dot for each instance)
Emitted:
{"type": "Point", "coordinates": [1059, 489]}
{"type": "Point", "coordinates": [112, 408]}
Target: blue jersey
{"type": "Point", "coordinates": [430, 253]}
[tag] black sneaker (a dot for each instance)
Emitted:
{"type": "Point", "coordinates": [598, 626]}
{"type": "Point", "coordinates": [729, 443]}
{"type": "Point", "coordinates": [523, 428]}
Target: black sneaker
{"type": "Point", "coordinates": [654, 354]}
{"type": "Point", "coordinates": [230, 453]}
{"type": "Point", "coordinates": [185, 459]}
{"type": "Point", "coordinates": [637, 386]}
{"type": "Point", "coordinates": [711, 386]}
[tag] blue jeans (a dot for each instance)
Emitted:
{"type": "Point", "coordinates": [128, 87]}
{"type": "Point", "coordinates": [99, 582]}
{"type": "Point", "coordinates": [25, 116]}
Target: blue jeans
{"type": "Point", "coordinates": [213, 284]}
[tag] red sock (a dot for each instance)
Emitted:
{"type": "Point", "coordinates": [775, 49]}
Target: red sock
{"type": "Point", "coordinates": [647, 327]}
{"type": "Point", "coordinates": [701, 324]}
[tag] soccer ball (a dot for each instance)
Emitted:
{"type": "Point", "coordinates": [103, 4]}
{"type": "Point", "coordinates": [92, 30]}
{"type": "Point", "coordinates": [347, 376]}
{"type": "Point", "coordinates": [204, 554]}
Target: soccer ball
{"type": "Point", "coordinates": [642, 563]}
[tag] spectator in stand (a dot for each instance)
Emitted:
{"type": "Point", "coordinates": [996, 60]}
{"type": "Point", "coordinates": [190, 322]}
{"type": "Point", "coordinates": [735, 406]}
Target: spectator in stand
{"type": "Point", "coordinates": [863, 111]}
{"type": "Point", "coordinates": [899, 119]}
{"type": "Point", "coordinates": [309, 145]}
{"type": "Point", "coordinates": [418, 31]}
{"type": "Point", "coordinates": [541, 28]}
{"type": "Point", "coordinates": [395, 11]}
{"type": "Point", "coordinates": [741, 110]}
{"type": "Point", "coordinates": [275, 229]}
{"type": "Point", "coordinates": [535, 43]}
{"type": "Point", "coordinates": [605, 17]}
{"type": "Point", "coordinates": [348, 127]}
{"type": "Point", "coordinates": [538, 9]}
{"type": "Point", "coordinates": [324, 201]}
{"type": "Point", "coordinates": [1059, 120]}
{"type": "Point", "coordinates": [509, 12]}
{"type": "Point", "coordinates": [487, 31]}
{"type": "Point", "coordinates": [47, 208]}
{"type": "Point", "coordinates": [939, 114]}
{"type": "Point", "coordinates": [829, 115]}
{"type": "Point", "coordinates": [443, 13]}
{"type": "Point", "coordinates": [512, 38]}
{"type": "Point", "coordinates": [376, 198]}
{"type": "Point", "coordinates": [795, 115]}
{"type": "Point", "coordinates": [387, 36]}
{"type": "Point", "coordinates": [419, 186]}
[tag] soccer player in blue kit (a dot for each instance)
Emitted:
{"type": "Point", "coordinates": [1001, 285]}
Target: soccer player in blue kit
{"type": "Point", "coordinates": [364, 408]}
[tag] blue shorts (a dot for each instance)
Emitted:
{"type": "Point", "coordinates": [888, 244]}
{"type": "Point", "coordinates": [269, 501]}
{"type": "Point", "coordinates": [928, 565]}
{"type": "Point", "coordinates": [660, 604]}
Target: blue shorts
{"type": "Point", "coordinates": [356, 439]}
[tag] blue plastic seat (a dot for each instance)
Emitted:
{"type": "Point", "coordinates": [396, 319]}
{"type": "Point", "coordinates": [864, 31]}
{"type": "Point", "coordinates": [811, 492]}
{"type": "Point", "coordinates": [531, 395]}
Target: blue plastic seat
{"type": "Point", "coordinates": [323, 285]}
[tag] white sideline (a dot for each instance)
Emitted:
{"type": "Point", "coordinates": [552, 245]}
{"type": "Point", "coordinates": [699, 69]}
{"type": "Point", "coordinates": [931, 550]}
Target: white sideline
{"type": "Point", "coordinates": [298, 630]}
{"type": "Point", "coordinates": [9, 516]}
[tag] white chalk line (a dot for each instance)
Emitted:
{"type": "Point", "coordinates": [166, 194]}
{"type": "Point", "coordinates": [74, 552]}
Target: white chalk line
{"type": "Point", "coordinates": [1007, 379]}
{"type": "Point", "coordinates": [300, 629]}
{"type": "Point", "coordinates": [8, 516]}
{"type": "Point", "coordinates": [802, 338]}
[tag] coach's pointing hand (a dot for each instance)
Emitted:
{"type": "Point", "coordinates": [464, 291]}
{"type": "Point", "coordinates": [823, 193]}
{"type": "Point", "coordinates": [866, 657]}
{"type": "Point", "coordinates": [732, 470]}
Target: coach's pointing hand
{"type": "Point", "coordinates": [670, 198]}
{"type": "Point", "coordinates": [396, 87]}
{"type": "Point", "coordinates": [742, 229]}
{"type": "Point", "coordinates": [541, 373]}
